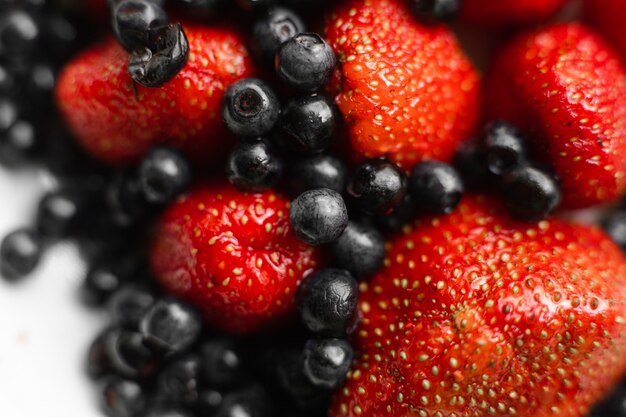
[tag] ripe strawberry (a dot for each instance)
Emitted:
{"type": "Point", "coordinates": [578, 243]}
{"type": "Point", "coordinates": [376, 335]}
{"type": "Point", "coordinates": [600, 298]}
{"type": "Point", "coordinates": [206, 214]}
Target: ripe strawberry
{"type": "Point", "coordinates": [567, 89]}
{"type": "Point", "coordinates": [477, 314]}
{"type": "Point", "coordinates": [233, 255]}
{"type": "Point", "coordinates": [95, 95]}
{"type": "Point", "coordinates": [608, 16]}
{"type": "Point", "coordinates": [501, 13]}
{"type": "Point", "coordinates": [406, 90]}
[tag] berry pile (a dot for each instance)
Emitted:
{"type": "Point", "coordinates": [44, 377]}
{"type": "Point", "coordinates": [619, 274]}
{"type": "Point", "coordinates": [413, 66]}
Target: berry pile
{"type": "Point", "coordinates": [299, 208]}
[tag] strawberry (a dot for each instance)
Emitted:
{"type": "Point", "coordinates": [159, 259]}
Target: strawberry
{"type": "Point", "coordinates": [233, 255]}
{"type": "Point", "coordinates": [608, 16]}
{"type": "Point", "coordinates": [567, 89]}
{"type": "Point", "coordinates": [95, 95]}
{"type": "Point", "coordinates": [406, 90]}
{"type": "Point", "coordinates": [477, 314]}
{"type": "Point", "coordinates": [501, 13]}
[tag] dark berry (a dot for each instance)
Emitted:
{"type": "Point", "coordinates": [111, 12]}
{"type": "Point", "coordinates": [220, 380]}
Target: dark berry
{"type": "Point", "coordinates": [327, 301]}
{"type": "Point", "coordinates": [98, 363]}
{"type": "Point", "coordinates": [59, 36]}
{"type": "Point", "coordinates": [436, 10]}
{"type": "Point", "coordinates": [377, 185]}
{"type": "Point", "coordinates": [167, 411]}
{"type": "Point", "coordinates": [318, 171]}
{"type": "Point", "coordinates": [436, 186]}
{"type": "Point", "coordinates": [20, 143]}
{"type": "Point", "coordinates": [319, 216]}
{"type": "Point", "coordinates": [171, 326]}
{"type": "Point", "coordinates": [20, 252]}
{"type": "Point", "coordinates": [122, 398]}
{"type": "Point", "coordinates": [8, 114]}
{"type": "Point", "coordinates": [327, 361]}
{"type": "Point", "coordinates": [250, 108]}
{"type": "Point", "coordinates": [125, 197]}
{"type": "Point", "coordinates": [308, 398]}
{"type": "Point", "coordinates": [360, 249]}
{"type": "Point", "coordinates": [271, 30]}
{"type": "Point", "coordinates": [255, 5]}
{"type": "Point", "coordinates": [7, 80]}
{"type": "Point", "coordinates": [133, 21]}
{"type": "Point", "coordinates": [61, 213]}
{"type": "Point", "coordinates": [19, 33]}
{"type": "Point", "coordinates": [222, 364]}
{"type": "Point", "coordinates": [209, 401]}
{"type": "Point", "coordinates": [104, 278]}
{"type": "Point", "coordinates": [164, 174]}
{"type": "Point", "coordinates": [128, 355]}
{"type": "Point", "coordinates": [615, 227]}
{"type": "Point", "coordinates": [506, 148]}
{"type": "Point", "coordinates": [471, 162]}
{"type": "Point", "coordinates": [179, 382]}
{"type": "Point", "coordinates": [530, 193]}
{"type": "Point", "coordinates": [254, 166]}
{"type": "Point", "coordinates": [309, 123]}
{"type": "Point", "coordinates": [128, 305]}
{"type": "Point", "coordinates": [251, 402]}
{"type": "Point", "coordinates": [305, 62]}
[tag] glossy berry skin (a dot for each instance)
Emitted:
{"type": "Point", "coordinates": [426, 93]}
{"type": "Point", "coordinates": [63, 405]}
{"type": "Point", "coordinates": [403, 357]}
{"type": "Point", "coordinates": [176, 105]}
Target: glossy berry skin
{"type": "Point", "coordinates": [436, 10]}
{"type": "Point", "coordinates": [436, 186]}
{"type": "Point", "coordinates": [298, 387]}
{"type": "Point", "coordinates": [19, 33]}
{"type": "Point", "coordinates": [101, 282]}
{"type": "Point", "coordinates": [133, 20]}
{"type": "Point", "coordinates": [318, 171]}
{"type": "Point", "coordinates": [168, 411]}
{"type": "Point", "coordinates": [220, 249]}
{"type": "Point", "coordinates": [128, 305]}
{"type": "Point", "coordinates": [170, 326]}
{"type": "Point", "coordinates": [164, 174]}
{"type": "Point", "coordinates": [20, 252]}
{"type": "Point", "coordinates": [375, 39]}
{"type": "Point", "coordinates": [511, 293]}
{"type": "Point", "coordinates": [377, 185]}
{"type": "Point", "coordinates": [531, 193]}
{"type": "Point", "coordinates": [254, 166]}
{"type": "Point", "coordinates": [505, 147]}
{"type": "Point", "coordinates": [95, 95]}
{"type": "Point", "coordinates": [222, 364]}
{"type": "Point", "coordinates": [327, 302]}
{"type": "Point", "coordinates": [566, 90]}
{"type": "Point", "coordinates": [271, 30]}
{"type": "Point", "coordinates": [309, 123]}
{"type": "Point", "coordinates": [607, 17]}
{"type": "Point", "coordinates": [327, 361]}
{"type": "Point", "coordinates": [179, 382]}
{"type": "Point", "coordinates": [504, 13]}
{"type": "Point", "coordinates": [61, 213]}
{"type": "Point", "coordinates": [615, 226]}
{"type": "Point", "coordinates": [98, 363]}
{"type": "Point", "coordinates": [122, 398]}
{"type": "Point", "coordinates": [250, 108]}
{"type": "Point", "coordinates": [21, 143]}
{"type": "Point", "coordinates": [251, 402]}
{"type": "Point", "coordinates": [318, 216]}
{"type": "Point", "coordinates": [305, 62]}
{"type": "Point", "coordinates": [360, 249]}
{"type": "Point", "coordinates": [471, 162]}
{"type": "Point", "coordinates": [128, 356]}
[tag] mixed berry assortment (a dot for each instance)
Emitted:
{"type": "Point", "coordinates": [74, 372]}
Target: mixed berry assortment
{"type": "Point", "coordinates": [283, 221]}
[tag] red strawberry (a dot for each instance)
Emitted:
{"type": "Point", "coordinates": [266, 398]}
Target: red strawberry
{"type": "Point", "coordinates": [608, 16]}
{"type": "Point", "coordinates": [406, 90]}
{"type": "Point", "coordinates": [233, 255]}
{"type": "Point", "coordinates": [501, 13]}
{"type": "Point", "coordinates": [476, 314]}
{"type": "Point", "coordinates": [95, 94]}
{"type": "Point", "coordinates": [567, 89]}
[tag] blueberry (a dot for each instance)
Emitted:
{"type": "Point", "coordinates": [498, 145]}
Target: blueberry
{"type": "Point", "coordinates": [222, 364]}
{"type": "Point", "coordinates": [21, 143]}
{"type": "Point", "coordinates": [319, 216]}
{"type": "Point", "coordinates": [250, 108]}
{"type": "Point", "coordinates": [179, 382]}
{"type": "Point", "coordinates": [506, 148]}
{"type": "Point", "coordinates": [327, 361]}
{"type": "Point", "coordinates": [209, 401]}
{"type": "Point", "coordinates": [106, 276]}
{"type": "Point", "coordinates": [436, 186]}
{"type": "Point", "coordinates": [403, 213]}
{"type": "Point", "coordinates": [125, 198]}
{"type": "Point", "coordinates": [255, 5]}
{"type": "Point", "coordinates": [436, 10]}
{"type": "Point", "coordinates": [155, 65]}
{"type": "Point", "coordinates": [305, 62]}
{"type": "Point", "coordinates": [318, 171]}
{"type": "Point", "coordinates": [20, 252]}
{"type": "Point", "coordinates": [133, 21]}
{"type": "Point", "coordinates": [171, 326]}
{"type": "Point", "coordinates": [122, 398]}
{"type": "Point", "coordinates": [164, 174]}
{"type": "Point", "coordinates": [98, 363]}
{"type": "Point", "coordinates": [271, 30]}
{"type": "Point", "coordinates": [59, 36]}
{"type": "Point", "coordinates": [530, 193]}
{"type": "Point", "coordinates": [327, 302]}
{"type": "Point", "coordinates": [61, 213]}
{"type": "Point", "coordinates": [254, 166]}
{"type": "Point", "coordinates": [308, 398]}
{"type": "Point", "coordinates": [128, 305]}
{"type": "Point", "coordinates": [128, 355]}
{"type": "Point", "coordinates": [360, 249]}
{"type": "Point", "coordinates": [471, 161]}
{"type": "Point", "coordinates": [251, 402]}
{"type": "Point", "coordinates": [377, 185]}
{"type": "Point", "coordinates": [19, 34]}
{"type": "Point", "coordinates": [615, 226]}
{"type": "Point", "coordinates": [9, 114]}
{"type": "Point", "coordinates": [167, 411]}
{"type": "Point", "coordinates": [309, 123]}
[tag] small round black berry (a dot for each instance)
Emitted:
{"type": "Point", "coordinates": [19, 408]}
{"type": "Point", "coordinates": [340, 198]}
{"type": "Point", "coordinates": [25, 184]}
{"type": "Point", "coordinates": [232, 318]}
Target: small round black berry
{"type": "Point", "coordinates": [128, 305]}
{"type": "Point", "coordinates": [436, 186]}
{"type": "Point", "coordinates": [251, 402]}
{"type": "Point", "coordinates": [272, 29]}
{"type": "Point", "coordinates": [360, 249]}
{"type": "Point", "coordinates": [471, 161]}
{"type": "Point", "coordinates": [327, 301]}
{"type": "Point", "coordinates": [506, 148]}
{"type": "Point", "coordinates": [436, 10]}
{"type": "Point", "coordinates": [133, 20]}
{"type": "Point", "coordinates": [255, 5]}
{"type": "Point", "coordinates": [20, 252]}
{"type": "Point", "coordinates": [318, 171]}
{"type": "Point", "coordinates": [60, 213]}
{"type": "Point", "coordinates": [222, 364]}
{"type": "Point", "coordinates": [124, 196]}
{"type": "Point", "coordinates": [179, 382]}
{"type": "Point", "coordinates": [254, 166]}
{"type": "Point", "coordinates": [615, 226]}
{"type": "Point", "coordinates": [319, 216]}
{"type": "Point", "coordinates": [309, 123]}
{"type": "Point", "coordinates": [102, 280]}
{"type": "Point", "coordinates": [21, 143]}
{"type": "Point", "coordinates": [250, 108]}
{"type": "Point", "coordinates": [293, 381]}
{"type": "Point", "coordinates": [305, 62]}
{"type": "Point", "coordinates": [167, 411]}
{"type": "Point", "coordinates": [19, 33]}
{"type": "Point", "coordinates": [164, 174]}
{"type": "Point", "coordinates": [128, 355]}
{"type": "Point", "coordinates": [171, 326]}
{"type": "Point", "coordinates": [530, 193]}
{"type": "Point", "coordinates": [377, 185]}
{"type": "Point", "coordinates": [8, 114]}
{"type": "Point", "coordinates": [98, 363]}
{"type": "Point", "coordinates": [327, 361]}
{"type": "Point", "coordinates": [209, 401]}
{"type": "Point", "coordinates": [122, 398]}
